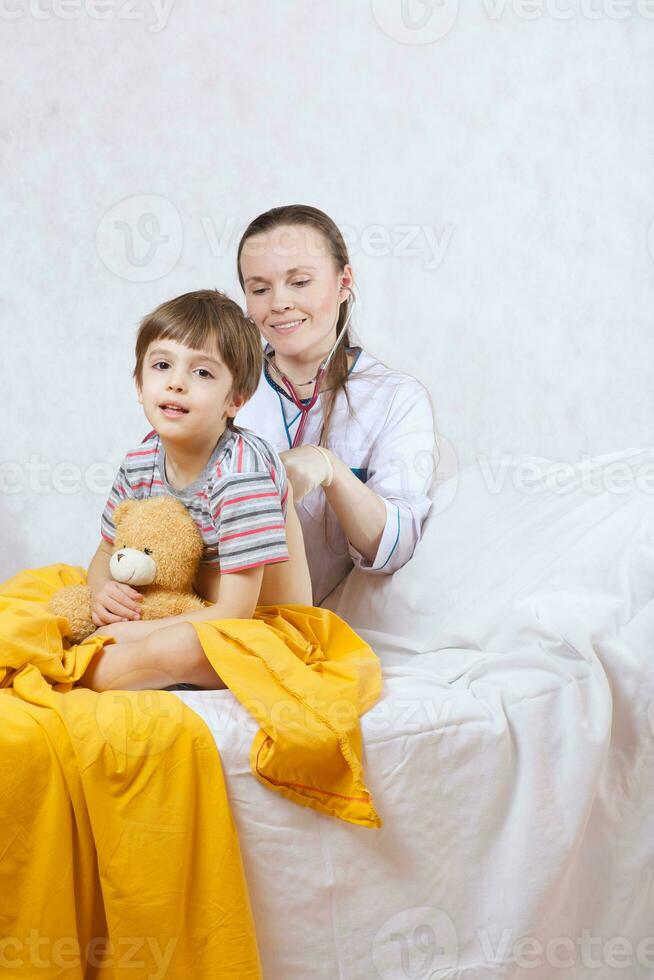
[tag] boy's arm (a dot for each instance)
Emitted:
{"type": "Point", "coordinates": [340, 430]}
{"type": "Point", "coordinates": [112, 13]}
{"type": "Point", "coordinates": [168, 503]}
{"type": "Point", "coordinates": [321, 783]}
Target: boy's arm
{"type": "Point", "coordinates": [233, 593]}
{"type": "Point", "coordinates": [98, 572]}
{"type": "Point", "coordinates": [111, 601]}
{"type": "Point", "coordinates": [235, 597]}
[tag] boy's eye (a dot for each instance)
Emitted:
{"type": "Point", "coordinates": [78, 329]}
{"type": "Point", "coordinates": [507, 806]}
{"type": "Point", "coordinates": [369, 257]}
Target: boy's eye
{"type": "Point", "coordinates": [259, 291]}
{"type": "Point", "coordinates": [204, 373]}
{"type": "Point", "coordinates": [159, 364]}
{"type": "Point", "coordinates": [301, 282]}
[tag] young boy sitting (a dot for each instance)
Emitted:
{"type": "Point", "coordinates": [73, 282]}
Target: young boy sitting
{"type": "Point", "coordinates": [198, 360]}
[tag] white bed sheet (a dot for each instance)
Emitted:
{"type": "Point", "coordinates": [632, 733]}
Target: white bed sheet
{"type": "Point", "coordinates": [510, 758]}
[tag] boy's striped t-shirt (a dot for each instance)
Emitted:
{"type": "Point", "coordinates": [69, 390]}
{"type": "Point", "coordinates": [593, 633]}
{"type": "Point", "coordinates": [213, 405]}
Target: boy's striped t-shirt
{"type": "Point", "coordinates": [238, 502]}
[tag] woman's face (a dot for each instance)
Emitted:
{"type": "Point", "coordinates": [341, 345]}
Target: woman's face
{"type": "Point", "coordinates": [293, 289]}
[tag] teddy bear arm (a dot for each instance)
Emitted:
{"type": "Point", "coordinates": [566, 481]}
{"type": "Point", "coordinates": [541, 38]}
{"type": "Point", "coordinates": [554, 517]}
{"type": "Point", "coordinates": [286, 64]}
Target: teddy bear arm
{"type": "Point", "coordinates": [73, 603]}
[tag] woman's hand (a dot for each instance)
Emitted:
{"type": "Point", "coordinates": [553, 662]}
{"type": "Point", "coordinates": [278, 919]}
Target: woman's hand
{"type": "Point", "coordinates": [307, 467]}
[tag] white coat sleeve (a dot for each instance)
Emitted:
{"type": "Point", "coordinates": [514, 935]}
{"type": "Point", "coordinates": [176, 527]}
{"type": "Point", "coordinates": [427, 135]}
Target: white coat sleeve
{"type": "Point", "coordinates": [401, 470]}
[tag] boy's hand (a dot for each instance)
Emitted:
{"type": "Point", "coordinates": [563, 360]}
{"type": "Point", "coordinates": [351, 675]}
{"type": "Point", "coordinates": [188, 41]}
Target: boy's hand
{"type": "Point", "coordinates": [114, 603]}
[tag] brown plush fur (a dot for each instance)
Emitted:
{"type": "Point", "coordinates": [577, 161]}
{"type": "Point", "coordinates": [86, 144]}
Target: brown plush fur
{"type": "Point", "coordinates": [165, 527]}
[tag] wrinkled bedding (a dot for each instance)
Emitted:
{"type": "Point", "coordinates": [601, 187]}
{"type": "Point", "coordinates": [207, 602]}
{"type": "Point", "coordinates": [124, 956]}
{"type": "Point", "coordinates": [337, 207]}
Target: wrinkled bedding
{"type": "Point", "coordinates": [510, 756]}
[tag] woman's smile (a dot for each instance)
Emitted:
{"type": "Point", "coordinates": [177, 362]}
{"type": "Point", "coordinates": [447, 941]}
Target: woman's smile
{"type": "Point", "coordinates": [288, 326]}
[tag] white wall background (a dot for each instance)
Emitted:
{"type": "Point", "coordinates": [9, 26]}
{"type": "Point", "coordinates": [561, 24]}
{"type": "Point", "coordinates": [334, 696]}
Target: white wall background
{"type": "Point", "coordinates": [512, 140]}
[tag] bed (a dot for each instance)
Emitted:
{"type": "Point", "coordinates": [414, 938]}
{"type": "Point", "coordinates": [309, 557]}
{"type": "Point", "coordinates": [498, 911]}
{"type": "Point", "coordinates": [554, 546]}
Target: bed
{"type": "Point", "coordinates": [510, 756]}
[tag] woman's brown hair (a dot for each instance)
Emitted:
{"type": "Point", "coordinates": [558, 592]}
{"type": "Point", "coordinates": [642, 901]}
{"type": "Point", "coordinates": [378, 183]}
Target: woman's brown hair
{"type": "Point", "coordinates": [305, 215]}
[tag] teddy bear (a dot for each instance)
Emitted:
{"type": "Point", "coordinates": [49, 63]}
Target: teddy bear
{"type": "Point", "coordinates": [157, 550]}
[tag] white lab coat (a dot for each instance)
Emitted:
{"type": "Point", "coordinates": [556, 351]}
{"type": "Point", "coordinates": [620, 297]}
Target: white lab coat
{"type": "Point", "coordinates": [389, 444]}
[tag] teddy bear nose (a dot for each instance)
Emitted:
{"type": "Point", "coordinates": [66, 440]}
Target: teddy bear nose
{"type": "Point", "coordinates": [119, 555]}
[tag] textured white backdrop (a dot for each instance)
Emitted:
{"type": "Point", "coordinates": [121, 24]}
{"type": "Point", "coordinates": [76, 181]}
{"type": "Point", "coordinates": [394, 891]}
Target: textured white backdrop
{"type": "Point", "coordinates": [491, 164]}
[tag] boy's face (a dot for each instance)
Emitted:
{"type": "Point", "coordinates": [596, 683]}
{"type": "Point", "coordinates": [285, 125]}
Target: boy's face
{"type": "Point", "coordinates": [185, 393]}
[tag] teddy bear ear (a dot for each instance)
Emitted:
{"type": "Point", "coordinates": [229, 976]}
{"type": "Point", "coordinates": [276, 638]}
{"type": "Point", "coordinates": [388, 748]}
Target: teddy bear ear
{"type": "Point", "coordinates": [122, 510]}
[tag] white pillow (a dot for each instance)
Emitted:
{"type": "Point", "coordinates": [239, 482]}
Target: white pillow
{"type": "Point", "coordinates": [505, 540]}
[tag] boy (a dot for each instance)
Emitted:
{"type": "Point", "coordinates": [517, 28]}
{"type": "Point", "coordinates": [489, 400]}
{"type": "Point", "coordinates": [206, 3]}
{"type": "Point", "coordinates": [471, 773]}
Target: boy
{"type": "Point", "coordinates": [198, 360]}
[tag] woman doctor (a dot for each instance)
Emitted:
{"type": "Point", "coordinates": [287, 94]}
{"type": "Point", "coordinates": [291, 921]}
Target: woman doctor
{"type": "Point", "coordinates": [356, 438]}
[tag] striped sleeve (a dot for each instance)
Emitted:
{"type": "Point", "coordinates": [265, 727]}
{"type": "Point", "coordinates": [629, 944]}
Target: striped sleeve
{"type": "Point", "coordinates": [121, 490]}
{"type": "Point", "coordinates": [248, 513]}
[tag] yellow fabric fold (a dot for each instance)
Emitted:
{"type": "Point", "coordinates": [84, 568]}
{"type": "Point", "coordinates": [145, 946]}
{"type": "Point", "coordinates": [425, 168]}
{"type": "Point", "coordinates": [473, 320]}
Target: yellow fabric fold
{"type": "Point", "coordinates": [118, 855]}
{"type": "Point", "coordinates": [306, 677]}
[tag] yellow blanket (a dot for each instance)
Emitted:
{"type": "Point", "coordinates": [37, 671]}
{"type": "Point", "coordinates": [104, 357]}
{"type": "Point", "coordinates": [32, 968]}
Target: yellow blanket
{"type": "Point", "coordinates": [119, 856]}
{"type": "Point", "coordinates": [306, 677]}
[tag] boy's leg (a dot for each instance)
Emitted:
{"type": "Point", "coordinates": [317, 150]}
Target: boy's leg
{"type": "Point", "coordinates": [180, 649]}
{"type": "Point", "coordinates": [121, 667]}
{"type": "Point", "coordinates": [167, 656]}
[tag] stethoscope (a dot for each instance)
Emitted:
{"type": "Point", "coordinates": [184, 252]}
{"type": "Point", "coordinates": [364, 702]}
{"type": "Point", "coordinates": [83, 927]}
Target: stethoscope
{"type": "Point", "coordinates": [324, 364]}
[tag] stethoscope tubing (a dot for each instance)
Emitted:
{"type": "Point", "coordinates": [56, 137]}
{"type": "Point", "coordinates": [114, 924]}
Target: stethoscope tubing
{"type": "Point", "coordinates": [304, 409]}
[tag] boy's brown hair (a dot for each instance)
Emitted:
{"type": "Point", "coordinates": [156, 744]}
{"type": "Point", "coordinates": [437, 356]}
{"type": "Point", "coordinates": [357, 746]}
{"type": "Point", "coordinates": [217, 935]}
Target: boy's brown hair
{"type": "Point", "coordinates": [207, 319]}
